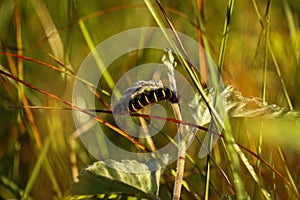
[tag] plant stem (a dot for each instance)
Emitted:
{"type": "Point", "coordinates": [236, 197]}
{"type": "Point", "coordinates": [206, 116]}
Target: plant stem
{"type": "Point", "coordinates": [181, 154]}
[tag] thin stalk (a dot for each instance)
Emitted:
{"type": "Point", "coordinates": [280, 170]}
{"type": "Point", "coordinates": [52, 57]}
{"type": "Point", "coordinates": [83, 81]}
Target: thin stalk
{"type": "Point", "coordinates": [181, 154]}
{"type": "Point", "coordinates": [232, 154]}
{"type": "Point", "coordinates": [146, 134]}
{"type": "Point", "coordinates": [169, 62]}
{"type": "Point", "coordinates": [130, 138]}
{"type": "Point", "coordinates": [100, 64]}
{"type": "Point", "coordinates": [20, 51]}
{"type": "Point", "coordinates": [207, 178]}
{"type": "Point", "coordinates": [204, 68]}
{"type": "Point", "coordinates": [274, 184]}
{"type": "Point", "coordinates": [273, 56]}
{"type": "Point", "coordinates": [207, 170]}
{"type": "Point", "coordinates": [225, 34]}
{"type": "Point", "coordinates": [287, 97]}
{"type": "Point", "coordinates": [267, 17]}
{"type": "Point", "coordinates": [287, 171]}
{"type": "Point", "coordinates": [14, 187]}
{"type": "Point", "coordinates": [42, 157]}
{"type": "Point", "coordinates": [20, 74]}
{"type": "Point", "coordinates": [63, 70]}
{"type": "Point", "coordinates": [293, 26]}
{"type": "Point", "coordinates": [265, 70]}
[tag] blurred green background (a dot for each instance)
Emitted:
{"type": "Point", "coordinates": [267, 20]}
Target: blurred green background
{"type": "Point", "coordinates": [262, 41]}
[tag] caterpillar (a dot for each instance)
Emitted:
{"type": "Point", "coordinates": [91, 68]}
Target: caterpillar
{"type": "Point", "coordinates": [144, 93]}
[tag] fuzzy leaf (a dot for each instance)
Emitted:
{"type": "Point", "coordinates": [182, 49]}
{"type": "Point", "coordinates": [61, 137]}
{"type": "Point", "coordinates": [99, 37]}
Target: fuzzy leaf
{"type": "Point", "coordinates": [108, 177]}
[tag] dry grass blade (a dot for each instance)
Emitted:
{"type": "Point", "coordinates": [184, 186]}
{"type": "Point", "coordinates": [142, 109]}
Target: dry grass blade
{"type": "Point", "coordinates": [50, 29]}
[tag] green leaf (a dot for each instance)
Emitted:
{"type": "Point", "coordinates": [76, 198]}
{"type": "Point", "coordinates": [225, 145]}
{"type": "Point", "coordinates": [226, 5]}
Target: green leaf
{"type": "Point", "coordinates": [126, 177]}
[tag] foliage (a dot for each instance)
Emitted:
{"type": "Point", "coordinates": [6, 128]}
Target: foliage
{"type": "Point", "coordinates": [255, 43]}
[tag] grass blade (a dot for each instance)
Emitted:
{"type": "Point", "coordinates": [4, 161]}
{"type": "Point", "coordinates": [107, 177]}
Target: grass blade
{"type": "Point", "coordinates": [37, 168]}
{"type": "Point", "coordinates": [97, 57]}
{"type": "Point", "coordinates": [225, 34]}
{"type": "Point", "coordinates": [50, 29]}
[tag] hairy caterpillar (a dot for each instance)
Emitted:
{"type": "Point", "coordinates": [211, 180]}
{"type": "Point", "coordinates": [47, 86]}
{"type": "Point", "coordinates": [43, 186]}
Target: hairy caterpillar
{"type": "Point", "coordinates": [144, 93]}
